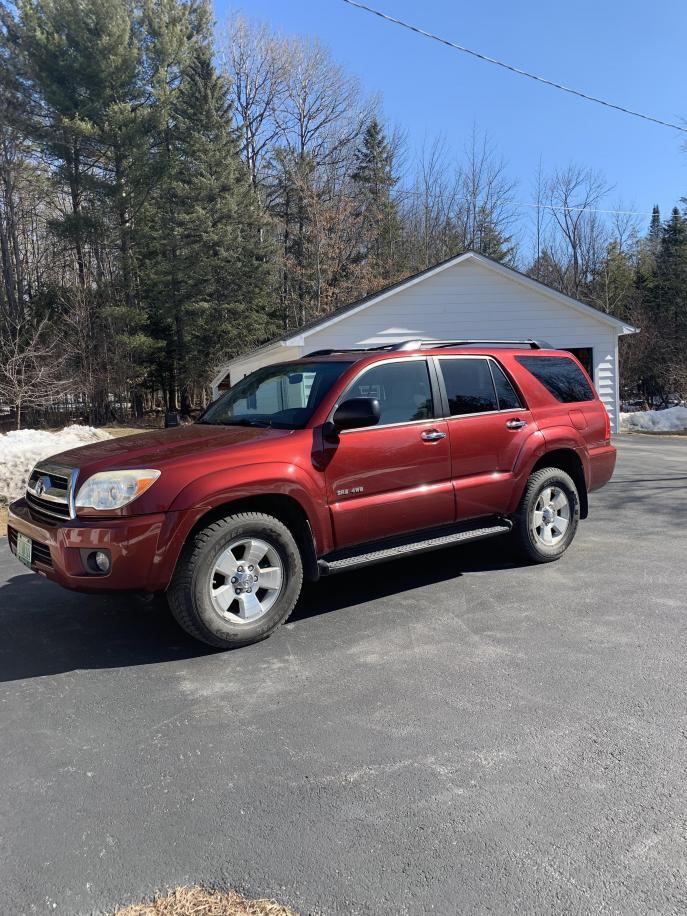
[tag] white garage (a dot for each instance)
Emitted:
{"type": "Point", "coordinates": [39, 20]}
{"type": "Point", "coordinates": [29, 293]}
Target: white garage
{"type": "Point", "coordinates": [468, 296]}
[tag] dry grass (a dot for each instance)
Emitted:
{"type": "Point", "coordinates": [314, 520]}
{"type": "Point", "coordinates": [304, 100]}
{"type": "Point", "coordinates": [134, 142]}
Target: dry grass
{"type": "Point", "coordinates": [117, 431]}
{"type": "Point", "coordinates": [194, 901]}
{"type": "Point", "coordinates": [3, 521]}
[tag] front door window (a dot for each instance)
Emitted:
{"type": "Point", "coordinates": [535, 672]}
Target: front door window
{"type": "Point", "coordinates": [402, 389]}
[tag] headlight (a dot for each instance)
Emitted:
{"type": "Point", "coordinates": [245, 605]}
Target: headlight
{"type": "Point", "coordinates": [114, 489]}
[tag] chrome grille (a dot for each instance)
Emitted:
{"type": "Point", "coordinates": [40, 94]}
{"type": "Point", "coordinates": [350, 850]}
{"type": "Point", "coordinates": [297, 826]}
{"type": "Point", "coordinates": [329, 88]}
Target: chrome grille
{"type": "Point", "coordinates": [49, 491]}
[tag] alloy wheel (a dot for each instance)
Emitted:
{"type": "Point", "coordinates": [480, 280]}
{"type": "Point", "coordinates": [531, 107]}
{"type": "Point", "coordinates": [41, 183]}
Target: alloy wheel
{"type": "Point", "coordinates": [246, 580]}
{"type": "Point", "coordinates": [551, 516]}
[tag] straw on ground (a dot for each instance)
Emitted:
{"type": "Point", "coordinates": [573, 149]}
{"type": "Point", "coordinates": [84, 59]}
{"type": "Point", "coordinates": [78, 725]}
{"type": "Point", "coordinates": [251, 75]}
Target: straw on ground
{"type": "Point", "coordinates": [195, 901]}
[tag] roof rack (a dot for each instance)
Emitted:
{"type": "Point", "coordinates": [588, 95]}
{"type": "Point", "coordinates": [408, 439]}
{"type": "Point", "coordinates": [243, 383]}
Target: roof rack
{"type": "Point", "coordinates": [387, 347]}
{"type": "Point", "coordinates": [529, 342]}
{"type": "Point", "coordinates": [405, 345]}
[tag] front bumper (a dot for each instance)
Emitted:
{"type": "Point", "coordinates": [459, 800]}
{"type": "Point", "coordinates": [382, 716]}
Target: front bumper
{"type": "Point", "coordinates": [136, 545]}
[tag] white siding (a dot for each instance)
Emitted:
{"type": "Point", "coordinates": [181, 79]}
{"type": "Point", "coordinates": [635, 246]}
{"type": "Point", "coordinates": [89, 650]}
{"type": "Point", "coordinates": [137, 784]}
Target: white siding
{"type": "Point", "coordinates": [240, 368]}
{"type": "Point", "coordinates": [467, 299]}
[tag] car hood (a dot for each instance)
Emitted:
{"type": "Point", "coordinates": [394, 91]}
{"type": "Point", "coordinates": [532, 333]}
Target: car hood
{"type": "Point", "coordinates": [160, 448]}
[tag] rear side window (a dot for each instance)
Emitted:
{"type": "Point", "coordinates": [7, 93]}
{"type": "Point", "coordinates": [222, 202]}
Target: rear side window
{"type": "Point", "coordinates": [469, 386]}
{"type": "Point", "coordinates": [401, 387]}
{"type": "Point", "coordinates": [560, 376]}
{"type": "Point", "coordinates": [507, 395]}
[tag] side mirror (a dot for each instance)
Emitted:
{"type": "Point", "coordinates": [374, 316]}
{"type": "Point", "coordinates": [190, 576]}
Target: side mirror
{"type": "Point", "coordinates": [356, 413]}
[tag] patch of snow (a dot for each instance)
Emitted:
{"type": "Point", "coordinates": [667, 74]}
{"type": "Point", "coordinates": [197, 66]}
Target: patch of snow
{"type": "Point", "coordinates": [20, 449]}
{"type": "Point", "coordinates": [655, 421]}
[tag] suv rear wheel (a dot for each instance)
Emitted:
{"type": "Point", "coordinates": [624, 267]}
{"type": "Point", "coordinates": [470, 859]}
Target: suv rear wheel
{"type": "Point", "coordinates": [237, 580]}
{"type": "Point", "coordinates": [547, 518]}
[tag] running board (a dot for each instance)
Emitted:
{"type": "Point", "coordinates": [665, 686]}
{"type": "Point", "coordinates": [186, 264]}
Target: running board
{"type": "Point", "coordinates": [341, 562]}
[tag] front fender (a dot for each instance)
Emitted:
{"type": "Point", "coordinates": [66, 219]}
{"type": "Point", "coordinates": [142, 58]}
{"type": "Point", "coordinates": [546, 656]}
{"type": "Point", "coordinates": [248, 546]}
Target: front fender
{"type": "Point", "coordinates": [285, 479]}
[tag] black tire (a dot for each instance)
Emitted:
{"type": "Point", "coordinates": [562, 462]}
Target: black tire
{"type": "Point", "coordinates": [189, 594]}
{"type": "Point", "coordinates": [528, 543]}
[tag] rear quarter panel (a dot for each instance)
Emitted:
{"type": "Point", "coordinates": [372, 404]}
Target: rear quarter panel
{"type": "Point", "coordinates": [580, 427]}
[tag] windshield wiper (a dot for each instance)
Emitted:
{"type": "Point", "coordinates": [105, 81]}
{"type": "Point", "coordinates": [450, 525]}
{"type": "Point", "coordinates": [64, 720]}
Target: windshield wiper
{"type": "Point", "coordinates": [246, 421]}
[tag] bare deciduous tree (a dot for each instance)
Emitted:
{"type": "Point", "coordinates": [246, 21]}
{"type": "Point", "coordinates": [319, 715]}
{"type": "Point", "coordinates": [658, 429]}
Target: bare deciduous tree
{"type": "Point", "coordinates": [318, 114]}
{"type": "Point", "coordinates": [256, 63]}
{"type": "Point", "coordinates": [32, 367]}
{"type": "Point", "coordinates": [485, 214]}
{"type": "Point", "coordinates": [322, 111]}
{"type": "Point", "coordinates": [577, 236]}
{"type": "Point", "coordinates": [460, 205]}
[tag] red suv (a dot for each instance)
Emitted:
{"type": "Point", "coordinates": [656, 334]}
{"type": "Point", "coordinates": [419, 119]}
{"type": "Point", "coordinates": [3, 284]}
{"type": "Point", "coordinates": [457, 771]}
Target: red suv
{"type": "Point", "coordinates": [306, 468]}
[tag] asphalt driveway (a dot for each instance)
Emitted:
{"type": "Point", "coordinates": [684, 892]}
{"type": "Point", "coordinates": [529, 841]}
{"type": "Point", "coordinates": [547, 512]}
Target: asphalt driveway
{"type": "Point", "coordinates": [448, 735]}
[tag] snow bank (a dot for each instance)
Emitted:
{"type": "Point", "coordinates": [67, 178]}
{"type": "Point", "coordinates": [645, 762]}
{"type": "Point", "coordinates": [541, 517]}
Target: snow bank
{"type": "Point", "coordinates": [22, 448]}
{"type": "Point", "coordinates": [655, 421]}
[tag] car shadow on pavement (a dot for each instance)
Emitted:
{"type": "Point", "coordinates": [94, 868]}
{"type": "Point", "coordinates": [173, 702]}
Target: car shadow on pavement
{"type": "Point", "coordinates": [46, 630]}
{"type": "Point", "coordinates": [383, 580]}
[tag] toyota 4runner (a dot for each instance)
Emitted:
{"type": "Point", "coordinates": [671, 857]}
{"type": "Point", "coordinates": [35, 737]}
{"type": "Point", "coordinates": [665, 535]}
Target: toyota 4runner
{"type": "Point", "coordinates": [307, 468]}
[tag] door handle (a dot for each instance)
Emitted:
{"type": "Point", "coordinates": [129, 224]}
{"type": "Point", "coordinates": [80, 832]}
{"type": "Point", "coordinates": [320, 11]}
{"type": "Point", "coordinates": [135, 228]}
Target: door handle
{"type": "Point", "coordinates": [516, 424]}
{"type": "Point", "coordinates": [432, 435]}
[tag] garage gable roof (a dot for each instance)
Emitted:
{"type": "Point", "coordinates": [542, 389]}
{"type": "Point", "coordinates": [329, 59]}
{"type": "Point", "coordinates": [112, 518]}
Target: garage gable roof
{"type": "Point", "coordinates": [298, 336]}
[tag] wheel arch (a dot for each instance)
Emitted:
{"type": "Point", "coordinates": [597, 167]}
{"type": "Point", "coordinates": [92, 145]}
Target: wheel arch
{"type": "Point", "coordinates": [567, 459]}
{"type": "Point", "coordinates": [287, 509]}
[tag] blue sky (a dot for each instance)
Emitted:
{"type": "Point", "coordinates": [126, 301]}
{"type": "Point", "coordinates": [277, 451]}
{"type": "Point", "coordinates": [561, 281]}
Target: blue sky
{"type": "Point", "coordinates": [627, 51]}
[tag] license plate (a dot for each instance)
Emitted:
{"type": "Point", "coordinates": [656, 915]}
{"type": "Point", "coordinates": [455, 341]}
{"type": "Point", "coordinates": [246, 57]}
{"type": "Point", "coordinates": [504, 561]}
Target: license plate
{"type": "Point", "coordinates": [24, 548]}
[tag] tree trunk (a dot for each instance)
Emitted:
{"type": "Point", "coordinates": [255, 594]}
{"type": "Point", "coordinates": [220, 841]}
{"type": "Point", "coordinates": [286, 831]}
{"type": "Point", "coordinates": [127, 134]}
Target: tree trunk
{"type": "Point", "coordinates": [7, 278]}
{"type": "Point", "coordinates": [124, 231]}
{"type": "Point", "coordinates": [73, 162]}
{"type": "Point", "coordinates": [12, 221]}
{"type": "Point", "coordinates": [285, 272]}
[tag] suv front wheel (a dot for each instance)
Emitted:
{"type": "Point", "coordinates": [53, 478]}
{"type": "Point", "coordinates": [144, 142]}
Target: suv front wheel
{"type": "Point", "coordinates": [237, 580]}
{"type": "Point", "coordinates": [547, 518]}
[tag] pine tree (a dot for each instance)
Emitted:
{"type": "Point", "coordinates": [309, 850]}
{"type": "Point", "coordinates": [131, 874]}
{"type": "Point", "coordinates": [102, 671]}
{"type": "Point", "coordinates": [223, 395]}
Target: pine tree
{"type": "Point", "coordinates": [206, 266]}
{"type": "Point", "coordinates": [292, 190]}
{"type": "Point", "coordinates": [223, 259]}
{"type": "Point", "coordinates": [661, 291]}
{"type": "Point", "coordinates": [172, 30]}
{"type": "Point", "coordinates": [81, 61]}
{"type": "Point", "coordinates": [83, 66]}
{"type": "Point", "coordinates": [545, 269]}
{"type": "Point", "coordinates": [671, 276]}
{"type": "Point", "coordinates": [613, 283]}
{"type": "Point", "coordinates": [375, 181]}
{"type": "Point", "coordinates": [15, 151]}
{"type": "Point", "coordinates": [645, 275]}
{"type": "Point", "coordinates": [655, 227]}
{"type": "Point", "coordinates": [490, 241]}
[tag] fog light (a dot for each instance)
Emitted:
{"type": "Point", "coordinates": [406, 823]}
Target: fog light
{"type": "Point", "coordinates": [97, 561]}
{"type": "Point", "coordinates": [102, 561]}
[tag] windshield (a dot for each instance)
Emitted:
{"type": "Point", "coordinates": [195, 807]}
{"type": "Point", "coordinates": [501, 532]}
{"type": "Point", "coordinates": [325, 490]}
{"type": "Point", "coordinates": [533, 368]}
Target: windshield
{"type": "Point", "coordinates": [284, 396]}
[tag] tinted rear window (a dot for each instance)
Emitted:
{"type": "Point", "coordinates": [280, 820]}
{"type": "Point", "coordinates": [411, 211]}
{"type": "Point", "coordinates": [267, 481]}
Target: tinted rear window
{"type": "Point", "coordinates": [469, 386]}
{"type": "Point", "coordinates": [508, 398]}
{"type": "Point", "coordinates": [560, 376]}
